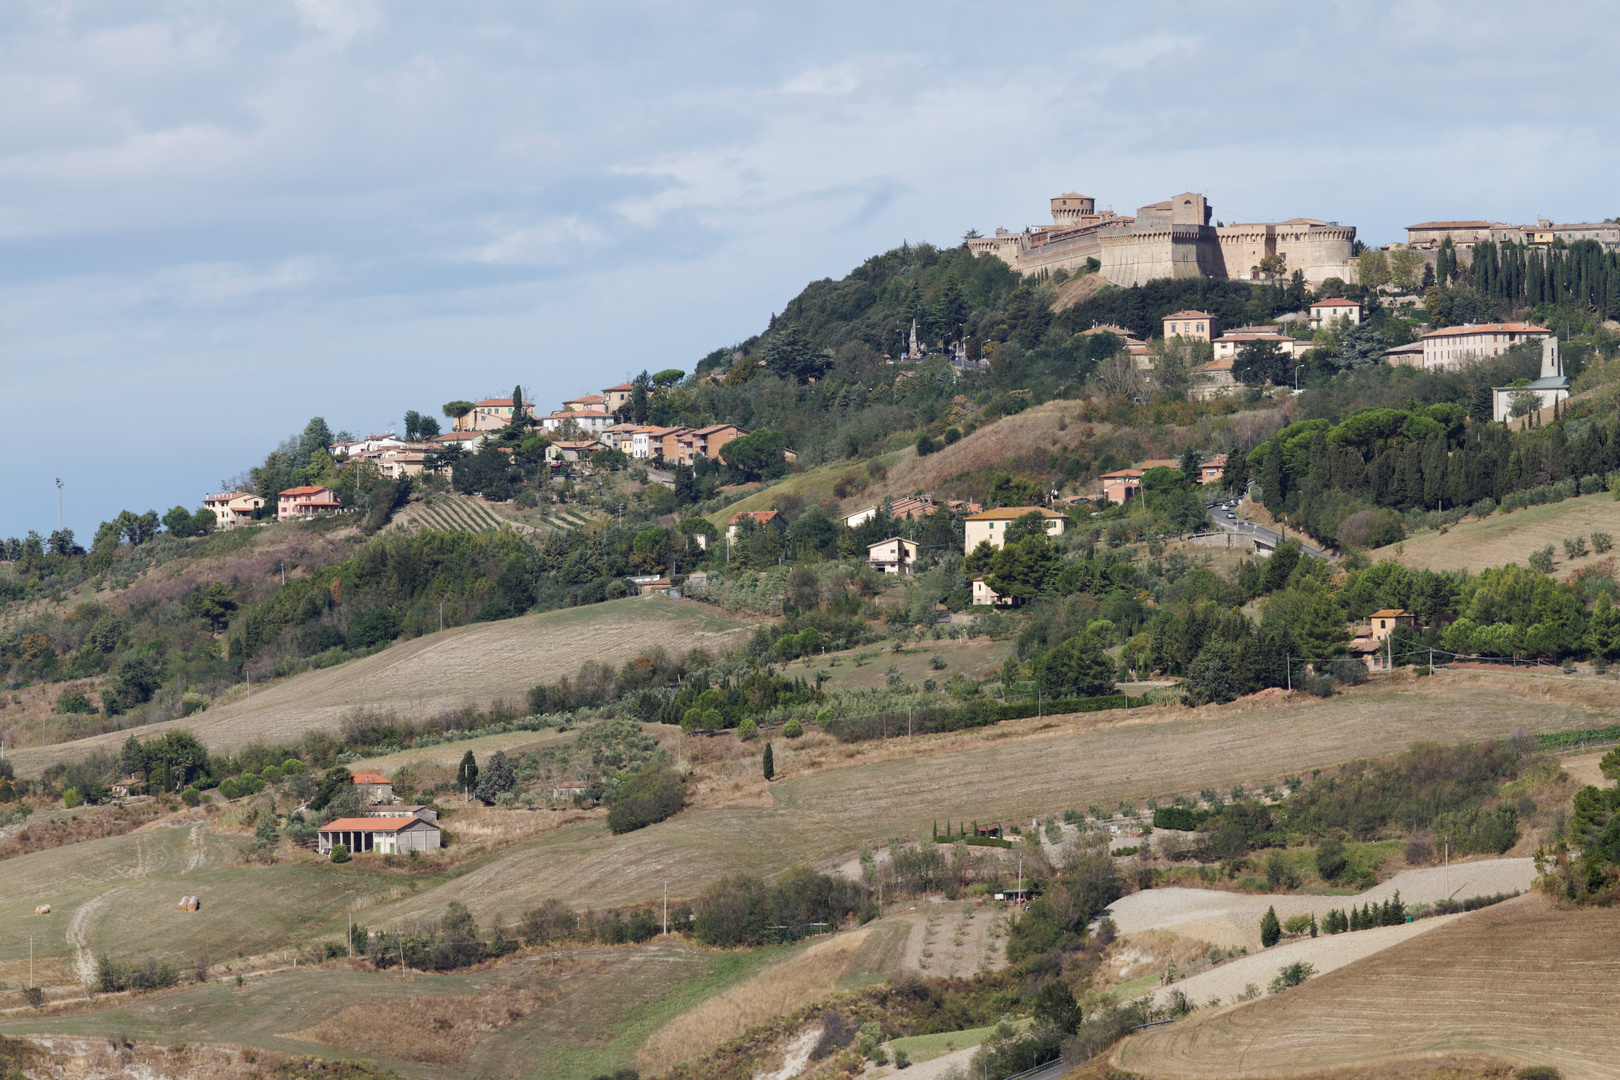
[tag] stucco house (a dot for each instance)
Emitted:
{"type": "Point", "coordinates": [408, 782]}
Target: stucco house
{"type": "Point", "coordinates": [373, 787]}
{"type": "Point", "coordinates": [761, 517]}
{"type": "Point", "coordinates": [896, 555]}
{"type": "Point", "coordinates": [1192, 325]}
{"type": "Point", "coordinates": [233, 508]}
{"type": "Point", "coordinates": [1329, 311]}
{"type": "Point", "coordinates": [992, 525]}
{"type": "Point", "coordinates": [305, 502]}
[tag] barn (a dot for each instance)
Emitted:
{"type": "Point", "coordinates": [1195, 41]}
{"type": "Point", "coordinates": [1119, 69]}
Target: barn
{"type": "Point", "coordinates": [388, 835]}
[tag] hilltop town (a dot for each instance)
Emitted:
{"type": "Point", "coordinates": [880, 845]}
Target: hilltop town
{"type": "Point", "coordinates": [1063, 649]}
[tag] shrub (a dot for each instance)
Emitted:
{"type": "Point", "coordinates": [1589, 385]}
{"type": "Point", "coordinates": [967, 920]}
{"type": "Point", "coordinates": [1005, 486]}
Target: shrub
{"type": "Point", "coordinates": [71, 798]}
{"type": "Point", "coordinates": [1297, 924]}
{"type": "Point", "coordinates": [1574, 547]}
{"type": "Point", "coordinates": [75, 701]}
{"type": "Point", "coordinates": [340, 853]}
{"type": "Point", "coordinates": [1542, 561]}
{"type": "Point", "coordinates": [35, 996]}
{"type": "Point", "coordinates": [1484, 508]}
{"type": "Point", "coordinates": [1320, 685]}
{"type": "Point", "coordinates": [747, 729]}
{"type": "Point", "coordinates": [1331, 859]}
{"type": "Point", "coordinates": [1270, 929]}
{"type": "Point", "coordinates": [1291, 976]}
{"type": "Point", "coordinates": [1602, 542]}
{"type": "Point", "coordinates": [937, 662]}
{"type": "Point", "coordinates": [792, 729]}
{"type": "Point", "coordinates": [827, 715]}
{"type": "Point", "coordinates": [925, 445]}
{"type": "Point", "coordinates": [651, 795]}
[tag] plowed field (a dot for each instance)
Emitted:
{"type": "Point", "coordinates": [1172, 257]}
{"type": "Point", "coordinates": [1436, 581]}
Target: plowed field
{"type": "Point", "coordinates": [1522, 981]}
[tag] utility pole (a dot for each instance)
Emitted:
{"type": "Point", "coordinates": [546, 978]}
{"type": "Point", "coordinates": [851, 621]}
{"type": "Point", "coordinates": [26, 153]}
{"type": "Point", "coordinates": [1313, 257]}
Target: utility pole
{"type": "Point", "coordinates": [1288, 662]}
{"type": "Point", "coordinates": [666, 909]}
{"type": "Point", "coordinates": [59, 504]}
{"type": "Point", "coordinates": [441, 616]}
{"type": "Point", "coordinates": [30, 961]}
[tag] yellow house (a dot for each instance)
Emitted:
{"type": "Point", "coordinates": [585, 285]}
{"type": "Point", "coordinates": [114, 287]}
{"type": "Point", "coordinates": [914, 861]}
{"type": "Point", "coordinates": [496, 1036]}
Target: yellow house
{"type": "Point", "coordinates": [992, 525]}
{"type": "Point", "coordinates": [1192, 325]}
{"type": "Point", "coordinates": [1384, 622]}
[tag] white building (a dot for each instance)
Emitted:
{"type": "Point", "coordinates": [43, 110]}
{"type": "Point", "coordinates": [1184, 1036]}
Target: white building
{"type": "Point", "coordinates": [1551, 388]}
{"type": "Point", "coordinates": [1454, 346]}
{"type": "Point", "coordinates": [1329, 311]}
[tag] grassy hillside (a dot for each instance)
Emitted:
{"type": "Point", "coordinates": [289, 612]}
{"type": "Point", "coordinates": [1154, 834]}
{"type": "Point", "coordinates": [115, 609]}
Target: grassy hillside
{"type": "Point", "coordinates": [480, 663]}
{"type": "Point", "coordinates": [1479, 543]}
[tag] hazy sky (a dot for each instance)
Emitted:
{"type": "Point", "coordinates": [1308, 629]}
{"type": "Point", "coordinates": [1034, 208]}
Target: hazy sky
{"type": "Point", "coordinates": [220, 219]}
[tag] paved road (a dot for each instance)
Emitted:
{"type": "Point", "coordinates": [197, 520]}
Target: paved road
{"type": "Point", "coordinates": [1239, 527]}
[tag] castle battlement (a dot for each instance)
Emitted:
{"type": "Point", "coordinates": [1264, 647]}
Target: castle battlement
{"type": "Point", "coordinates": [1172, 238]}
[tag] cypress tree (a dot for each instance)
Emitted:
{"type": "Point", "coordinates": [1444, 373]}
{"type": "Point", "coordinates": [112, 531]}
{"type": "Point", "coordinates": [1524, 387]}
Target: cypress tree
{"type": "Point", "coordinates": [1270, 928]}
{"type": "Point", "coordinates": [770, 762]}
{"type": "Point", "coordinates": [467, 774]}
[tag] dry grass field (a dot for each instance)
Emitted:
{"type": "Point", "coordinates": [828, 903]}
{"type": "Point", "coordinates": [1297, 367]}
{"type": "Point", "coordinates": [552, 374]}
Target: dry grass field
{"type": "Point", "coordinates": [1479, 543]}
{"type": "Point", "coordinates": [479, 664]}
{"type": "Point", "coordinates": [833, 798]}
{"type": "Point", "coordinates": [1521, 981]}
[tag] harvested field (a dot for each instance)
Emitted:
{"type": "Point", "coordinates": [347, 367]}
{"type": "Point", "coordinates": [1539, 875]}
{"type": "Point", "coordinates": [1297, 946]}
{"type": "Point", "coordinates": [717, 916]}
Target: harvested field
{"type": "Point", "coordinates": [833, 798]}
{"type": "Point", "coordinates": [957, 939]}
{"type": "Point", "coordinates": [1522, 981]}
{"type": "Point", "coordinates": [1232, 920]}
{"type": "Point", "coordinates": [481, 663]}
{"type": "Point", "coordinates": [1477, 543]}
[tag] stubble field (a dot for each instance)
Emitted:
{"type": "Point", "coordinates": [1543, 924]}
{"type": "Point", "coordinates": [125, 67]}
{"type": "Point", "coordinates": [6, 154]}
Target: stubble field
{"type": "Point", "coordinates": [1477, 544]}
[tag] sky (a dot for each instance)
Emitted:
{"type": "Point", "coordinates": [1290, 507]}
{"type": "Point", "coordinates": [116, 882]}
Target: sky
{"type": "Point", "coordinates": [218, 220]}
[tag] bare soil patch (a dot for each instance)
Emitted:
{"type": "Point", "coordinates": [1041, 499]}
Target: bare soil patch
{"type": "Point", "coordinates": [1523, 981]}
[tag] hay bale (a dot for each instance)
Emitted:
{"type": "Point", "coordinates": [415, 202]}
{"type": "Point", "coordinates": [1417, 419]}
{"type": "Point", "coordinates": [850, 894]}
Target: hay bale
{"type": "Point", "coordinates": [187, 903]}
{"type": "Point", "coordinates": [43, 909]}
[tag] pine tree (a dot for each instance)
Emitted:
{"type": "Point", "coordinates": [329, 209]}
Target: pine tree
{"type": "Point", "coordinates": [1270, 928]}
{"type": "Point", "coordinates": [1313, 924]}
{"type": "Point", "coordinates": [769, 763]}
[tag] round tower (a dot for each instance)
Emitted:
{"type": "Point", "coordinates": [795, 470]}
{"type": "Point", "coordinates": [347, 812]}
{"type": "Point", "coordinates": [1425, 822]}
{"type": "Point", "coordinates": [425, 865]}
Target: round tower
{"type": "Point", "coordinates": [1069, 211]}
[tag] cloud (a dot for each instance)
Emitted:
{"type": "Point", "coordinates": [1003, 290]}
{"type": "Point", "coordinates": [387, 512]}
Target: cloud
{"type": "Point", "coordinates": [547, 242]}
{"type": "Point", "coordinates": [839, 80]}
{"type": "Point", "coordinates": [340, 20]}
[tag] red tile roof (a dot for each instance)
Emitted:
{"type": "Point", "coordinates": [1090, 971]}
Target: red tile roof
{"type": "Point", "coordinates": [372, 824]}
{"type": "Point", "coordinates": [303, 491]}
{"type": "Point", "coordinates": [1337, 301]}
{"type": "Point", "coordinates": [369, 778]}
{"type": "Point", "coordinates": [757, 515]}
{"type": "Point", "coordinates": [1189, 315]}
{"type": "Point", "coordinates": [1012, 512]}
{"type": "Point", "coordinates": [495, 402]}
{"type": "Point", "coordinates": [1489, 328]}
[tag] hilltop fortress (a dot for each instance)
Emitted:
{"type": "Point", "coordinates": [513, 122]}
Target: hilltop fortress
{"type": "Point", "coordinates": [1172, 239]}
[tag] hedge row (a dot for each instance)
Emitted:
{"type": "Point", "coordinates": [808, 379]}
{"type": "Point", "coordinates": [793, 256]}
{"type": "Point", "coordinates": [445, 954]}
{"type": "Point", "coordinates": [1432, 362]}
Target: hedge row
{"type": "Point", "coordinates": [974, 714]}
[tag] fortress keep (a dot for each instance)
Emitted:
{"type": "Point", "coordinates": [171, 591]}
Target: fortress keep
{"type": "Point", "coordinates": [1171, 239]}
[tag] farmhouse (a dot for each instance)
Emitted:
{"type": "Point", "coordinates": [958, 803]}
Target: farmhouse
{"type": "Point", "coordinates": [233, 508]}
{"type": "Point", "coordinates": [373, 787]}
{"type": "Point", "coordinates": [387, 835]}
{"type": "Point", "coordinates": [992, 525]}
{"type": "Point", "coordinates": [1121, 485]}
{"type": "Point", "coordinates": [426, 813]}
{"type": "Point", "coordinates": [760, 517]}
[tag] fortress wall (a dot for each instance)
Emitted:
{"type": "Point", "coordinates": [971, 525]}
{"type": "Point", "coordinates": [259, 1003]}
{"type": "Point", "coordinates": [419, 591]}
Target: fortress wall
{"type": "Point", "coordinates": [1064, 255]}
{"type": "Point", "coordinates": [1134, 258]}
{"type": "Point", "coordinates": [1243, 246]}
{"type": "Point", "coordinates": [1321, 253]}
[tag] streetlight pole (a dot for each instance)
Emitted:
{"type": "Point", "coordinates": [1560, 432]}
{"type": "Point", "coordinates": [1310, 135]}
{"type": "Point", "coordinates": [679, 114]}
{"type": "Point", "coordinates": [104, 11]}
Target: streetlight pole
{"type": "Point", "coordinates": [1296, 377]}
{"type": "Point", "coordinates": [58, 504]}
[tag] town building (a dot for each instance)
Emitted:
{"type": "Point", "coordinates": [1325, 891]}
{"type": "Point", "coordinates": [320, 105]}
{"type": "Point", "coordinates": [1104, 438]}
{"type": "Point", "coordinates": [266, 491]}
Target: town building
{"type": "Point", "coordinates": [1232, 342]}
{"type": "Point", "coordinates": [233, 508]}
{"type": "Point", "coordinates": [492, 413]}
{"type": "Point", "coordinates": [984, 595]}
{"type": "Point", "coordinates": [615, 398]}
{"type": "Point", "coordinates": [911, 508]}
{"type": "Point", "coordinates": [305, 502]}
{"type": "Point", "coordinates": [573, 449]}
{"type": "Point", "coordinates": [469, 441]}
{"type": "Point", "coordinates": [896, 555]}
{"type": "Point", "coordinates": [1171, 239]}
{"type": "Point", "coordinates": [1213, 470]}
{"type": "Point", "coordinates": [1386, 621]}
{"type": "Point", "coordinates": [586, 422]}
{"type": "Point", "coordinates": [1192, 325]}
{"type": "Point", "coordinates": [1453, 346]}
{"type": "Point", "coordinates": [426, 813]}
{"type": "Point", "coordinates": [1213, 379]}
{"type": "Point", "coordinates": [992, 525]}
{"type": "Point", "coordinates": [384, 835]}
{"type": "Point", "coordinates": [1121, 485]}
{"type": "Point", "coordinates": [1325, 313]}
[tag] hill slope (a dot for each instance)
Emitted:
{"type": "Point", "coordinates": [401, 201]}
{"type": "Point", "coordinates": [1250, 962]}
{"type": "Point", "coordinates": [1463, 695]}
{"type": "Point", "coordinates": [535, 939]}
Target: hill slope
{"type": "Point", "coordinates": [1480, 543]}
{"type": "Point", "coordinates": [481, 663]}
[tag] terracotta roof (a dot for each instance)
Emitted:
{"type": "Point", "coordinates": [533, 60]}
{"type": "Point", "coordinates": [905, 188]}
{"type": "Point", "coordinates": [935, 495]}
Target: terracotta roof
{"type": "Point", "coordinates": [303, 490]}
{"type": "Point", "coordinates": [1389, 613]}
{"type": "Point", "coordinates": [369, 778]}
{"type": "Point", "coordinates": [494, 402]}
{"type": "Point", "coordinates": [712, 428]}
{"type": "Point", "coordinates": [1488, 328]}
{"type": "Point", "coordinates": [757, 515]}
{"type": "Point", "coordinates": [587, 398]}
{"type": "Point", "coordinates": [1190, 315]}
{"type": "Point", "coordinates": [372, 824]}
{"type": "Point", "coordinates": [458, 436]}
{"type": "Point", "coordinates": [1337, 301]}
{"type": "Point", "coordinates": [1121, 473]}
{"type": "Point", "coordinates": [624, 386]}
{"type": "Point", "coordinates": [1008, 513]}
{"type": "Point", "coordinates": [1224, 364]}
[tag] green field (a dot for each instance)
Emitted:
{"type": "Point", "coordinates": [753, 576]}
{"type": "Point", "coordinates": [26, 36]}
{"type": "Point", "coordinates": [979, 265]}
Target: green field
{"type": "Point", "coordinates": [920, 1048]}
